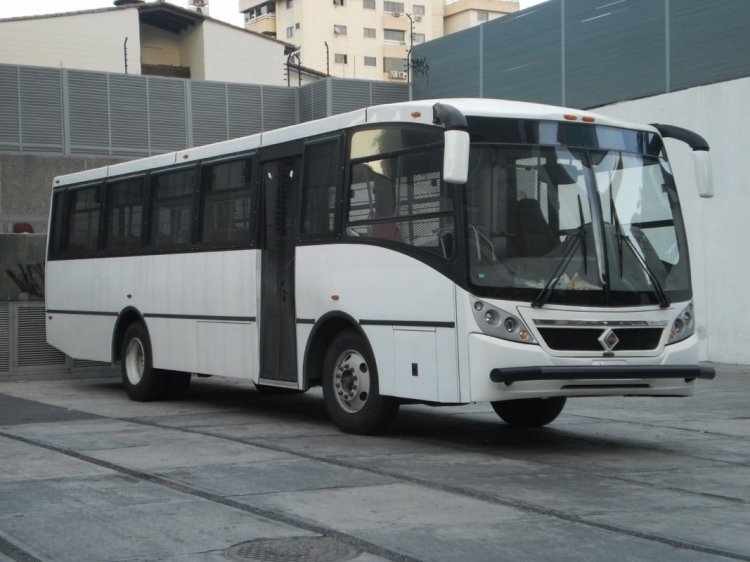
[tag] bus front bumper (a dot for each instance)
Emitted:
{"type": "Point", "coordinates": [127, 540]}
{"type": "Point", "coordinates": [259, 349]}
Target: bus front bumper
{"type": "Point", "coordinates": [688, 373]}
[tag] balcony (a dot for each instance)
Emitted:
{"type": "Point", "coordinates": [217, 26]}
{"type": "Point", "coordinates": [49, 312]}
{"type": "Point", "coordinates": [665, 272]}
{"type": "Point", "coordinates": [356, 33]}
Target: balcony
{"type": "Point", "coordinates": [265, 24]}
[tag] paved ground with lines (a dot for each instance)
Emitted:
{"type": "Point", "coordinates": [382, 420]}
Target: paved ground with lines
{"type": "Point", "coordinates": [229, 474]}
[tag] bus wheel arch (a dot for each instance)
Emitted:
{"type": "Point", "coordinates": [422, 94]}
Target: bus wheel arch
{"type": "Point", "coordinates": [351, 386]}
{"type": "Point", "coordinates": [126, 317]}
{"type": "Point", "coordinates": [325, 330]}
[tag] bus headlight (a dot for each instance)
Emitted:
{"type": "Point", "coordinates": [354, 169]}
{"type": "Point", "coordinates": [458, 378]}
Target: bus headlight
{"type": "Point", "coordinates": [500, 324]}
{"type": "Point", "coordinates": [684, 325]}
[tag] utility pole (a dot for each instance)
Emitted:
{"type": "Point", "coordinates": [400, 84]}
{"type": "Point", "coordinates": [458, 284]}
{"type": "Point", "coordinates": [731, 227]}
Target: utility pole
{"type": "Point", "coordinates": [408, 54]}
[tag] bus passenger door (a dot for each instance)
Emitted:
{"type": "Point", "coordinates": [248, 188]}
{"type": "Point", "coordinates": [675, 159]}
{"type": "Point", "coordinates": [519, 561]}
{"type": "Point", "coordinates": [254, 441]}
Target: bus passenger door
{"type": "Point", "coordinates": [278, 343]}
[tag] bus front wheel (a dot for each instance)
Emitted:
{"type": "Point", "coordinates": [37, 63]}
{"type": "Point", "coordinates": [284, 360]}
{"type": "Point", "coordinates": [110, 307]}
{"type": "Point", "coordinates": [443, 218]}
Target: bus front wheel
{"type": "Point", "coordinates": [529, 412]}
{"type": "Point", "coordinates": [142, 382]}
{"type": "Point", "coordinates": [350, 387]}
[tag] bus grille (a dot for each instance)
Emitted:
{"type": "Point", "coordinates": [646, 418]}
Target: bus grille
{"type": "Point", "coordinates": [587, 339]}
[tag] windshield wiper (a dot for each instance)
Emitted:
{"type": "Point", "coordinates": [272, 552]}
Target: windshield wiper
{"type": "Point", "coordinates": [578, 238]}
{"type": "Point", "coordinates": [658, 290]}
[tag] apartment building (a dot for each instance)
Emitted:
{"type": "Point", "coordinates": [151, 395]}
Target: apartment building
{"type": "Point", "coordinates": [367, 39]}
{"type": "Point", "coordinates": [462, 14]}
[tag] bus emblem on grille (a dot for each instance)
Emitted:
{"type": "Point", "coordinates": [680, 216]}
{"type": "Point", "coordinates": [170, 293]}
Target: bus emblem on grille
{"type": "Point", "coordinates": [609, 339]}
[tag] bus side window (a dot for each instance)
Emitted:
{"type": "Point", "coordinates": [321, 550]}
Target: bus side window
{"type": "Point", "coordinates": [171, 208]}
{"type": "Point", "coordinates": [402, 199]}
{"type": "Point", "coordinates": [319, 189]}
{"type": "Point", "coordinates": [227, 203]}
{"type": "Point", "coordinates": [84, 212]}
{"type": "Point", "coordinates": [124, 229]}
{"type": "Point", "coordinates": [56, 225]}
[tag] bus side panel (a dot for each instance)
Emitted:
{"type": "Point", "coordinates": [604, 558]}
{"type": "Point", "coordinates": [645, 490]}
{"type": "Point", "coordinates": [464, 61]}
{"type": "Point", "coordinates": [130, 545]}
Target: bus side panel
{"type": "Point", "coordinates": [79, 327]}
{"type": "Point", "coordinates": [174, 293]}
{"type": "Point", "coordinates": [406, 309]}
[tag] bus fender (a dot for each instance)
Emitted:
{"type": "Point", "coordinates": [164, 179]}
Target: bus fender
{"type": "Point", "coordinates": [127, 316]}
{"type": "Point", "coordinates": [323, 332]}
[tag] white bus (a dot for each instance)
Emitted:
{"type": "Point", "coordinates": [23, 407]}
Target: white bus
{"type": "Point", "coordinates": [440, 252]}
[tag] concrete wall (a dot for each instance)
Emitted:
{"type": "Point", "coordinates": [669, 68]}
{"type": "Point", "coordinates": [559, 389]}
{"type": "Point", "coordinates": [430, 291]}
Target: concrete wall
{"type": "Point", "coordinates": [26, 183]}
{"type": "Point", "coordinates": [160, 47]}
{"type": "Point", "coordinates": [718, 228]}
{"type": "Point", "coordinates": [234, 55]}
{"type": "Point", "coordinates": [92, 41]}
{"type": "Point", "coordinates": [23, 256]}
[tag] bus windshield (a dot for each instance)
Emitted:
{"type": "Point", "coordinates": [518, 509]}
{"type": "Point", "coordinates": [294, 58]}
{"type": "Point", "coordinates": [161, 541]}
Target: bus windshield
{"type": "Point", "coordinates": [596, 225]}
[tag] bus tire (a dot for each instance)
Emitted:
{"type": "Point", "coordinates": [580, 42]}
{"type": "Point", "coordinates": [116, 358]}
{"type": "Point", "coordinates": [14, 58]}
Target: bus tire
{"type": "Point", "coordinates": [142, 382]}
{"type": "Point", "coordinates": [350, 387]}
{"type": "Point", "coordinates": [529, 412]}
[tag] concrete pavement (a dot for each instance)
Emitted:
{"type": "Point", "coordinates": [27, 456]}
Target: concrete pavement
{"type": "Point", "coordinates": [230, 474]}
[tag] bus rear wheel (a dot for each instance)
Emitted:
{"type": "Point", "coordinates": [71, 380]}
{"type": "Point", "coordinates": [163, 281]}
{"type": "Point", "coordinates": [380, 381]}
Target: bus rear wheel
{"type": "Point", "coordinates": [529, 412]}
{"type": "Point", "coordinates": [350, 387]}
{"type": "Point", "coordinates": [142, 382]}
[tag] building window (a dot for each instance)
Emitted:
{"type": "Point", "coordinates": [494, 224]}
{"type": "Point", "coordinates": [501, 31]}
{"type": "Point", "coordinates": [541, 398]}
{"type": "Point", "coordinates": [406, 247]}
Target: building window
{"type": "Point", "coordinates": [339, 30]}
{"type": "Point", "coordinates": [391, 64]}
{"type": "Point", "coordinates": [289, 4]}
{"type": "Point", "coordinates": [370, 32]}
{"type": "Point", "coordinates": [394, 36]}
{"type": "Point", "coordinates": [339, 58]}
{"type": "Point", "coordinates": [338, 2]}
{"type": "Point", "coordinates": [371, 61]}
{"type": "Point", "coordinates": [368, 4]}
{"type": "Point", "coordinates": [418, 10]}
{"type": "Point", "coordinates": [483, 15]}
{"type": "Point", "coordinates": [394, 7]}
{"type": "Point", "coordinates": [417, 38]}
{"type": "Point", "coordinates": [296, 25]}
{"type": "Point", "coordinates": [290, 32]}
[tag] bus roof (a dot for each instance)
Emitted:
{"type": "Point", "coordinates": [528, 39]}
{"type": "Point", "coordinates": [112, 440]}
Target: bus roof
{"type": "Point", "coordinates": [419, 111]}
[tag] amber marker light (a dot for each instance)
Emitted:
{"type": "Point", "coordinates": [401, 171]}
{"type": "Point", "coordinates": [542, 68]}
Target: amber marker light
{"type": "Point", "coordinates": [588, 119]}
{"type": "Point", "coordinates": [523, 334]}
{"type": "Point", "coordinates": [416, 114]}
{"type": "Point", "coordinates": [335, 297]}
{"type": "Point", "coordinates": [570, 117]}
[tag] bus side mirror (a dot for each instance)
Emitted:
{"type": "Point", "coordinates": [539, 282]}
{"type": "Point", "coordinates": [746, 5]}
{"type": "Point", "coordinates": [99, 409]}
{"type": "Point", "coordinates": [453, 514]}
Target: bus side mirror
{"type": "Point", "coordinates": [703, 177]}
{"type": "Point", "coordinates": [456, 156]}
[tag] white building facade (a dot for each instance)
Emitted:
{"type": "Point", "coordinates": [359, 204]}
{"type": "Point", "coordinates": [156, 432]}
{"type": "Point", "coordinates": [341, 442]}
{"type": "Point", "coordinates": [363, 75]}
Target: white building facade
{"type": "Point", "coordinates": [145, 38]}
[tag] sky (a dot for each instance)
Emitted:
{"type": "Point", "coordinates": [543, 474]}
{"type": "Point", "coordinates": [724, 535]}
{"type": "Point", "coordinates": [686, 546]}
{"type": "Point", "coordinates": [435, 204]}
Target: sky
{"type": "Point", "coordinates": [225, 10]}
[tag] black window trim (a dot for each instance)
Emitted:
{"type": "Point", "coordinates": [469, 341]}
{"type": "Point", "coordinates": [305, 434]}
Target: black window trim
{"type": "Point", "coordinates": [446, 265]}
{"type": "Point", "coordinates": [148, 244]}
{"type": "Point", "coordinates": [146, 248]}
{"type": "Point", "coordinates": [105, 250]}
{"type": "Point", "coordinates": [316, 237]}
{"type": "Point", "coordinates": [67, 217]}
{"type": "Point", "coordinates": [251, 159]}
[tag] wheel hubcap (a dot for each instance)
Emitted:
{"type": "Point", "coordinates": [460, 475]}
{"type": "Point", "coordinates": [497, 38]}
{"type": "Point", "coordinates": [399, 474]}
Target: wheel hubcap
{"type": "Point", "coordinates": [134, 361]}
{"type": "Point", "coordinates": [351, 381]}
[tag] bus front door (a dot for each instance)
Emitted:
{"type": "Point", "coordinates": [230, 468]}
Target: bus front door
{"type": "Point", "coordinates": [278, 338]}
